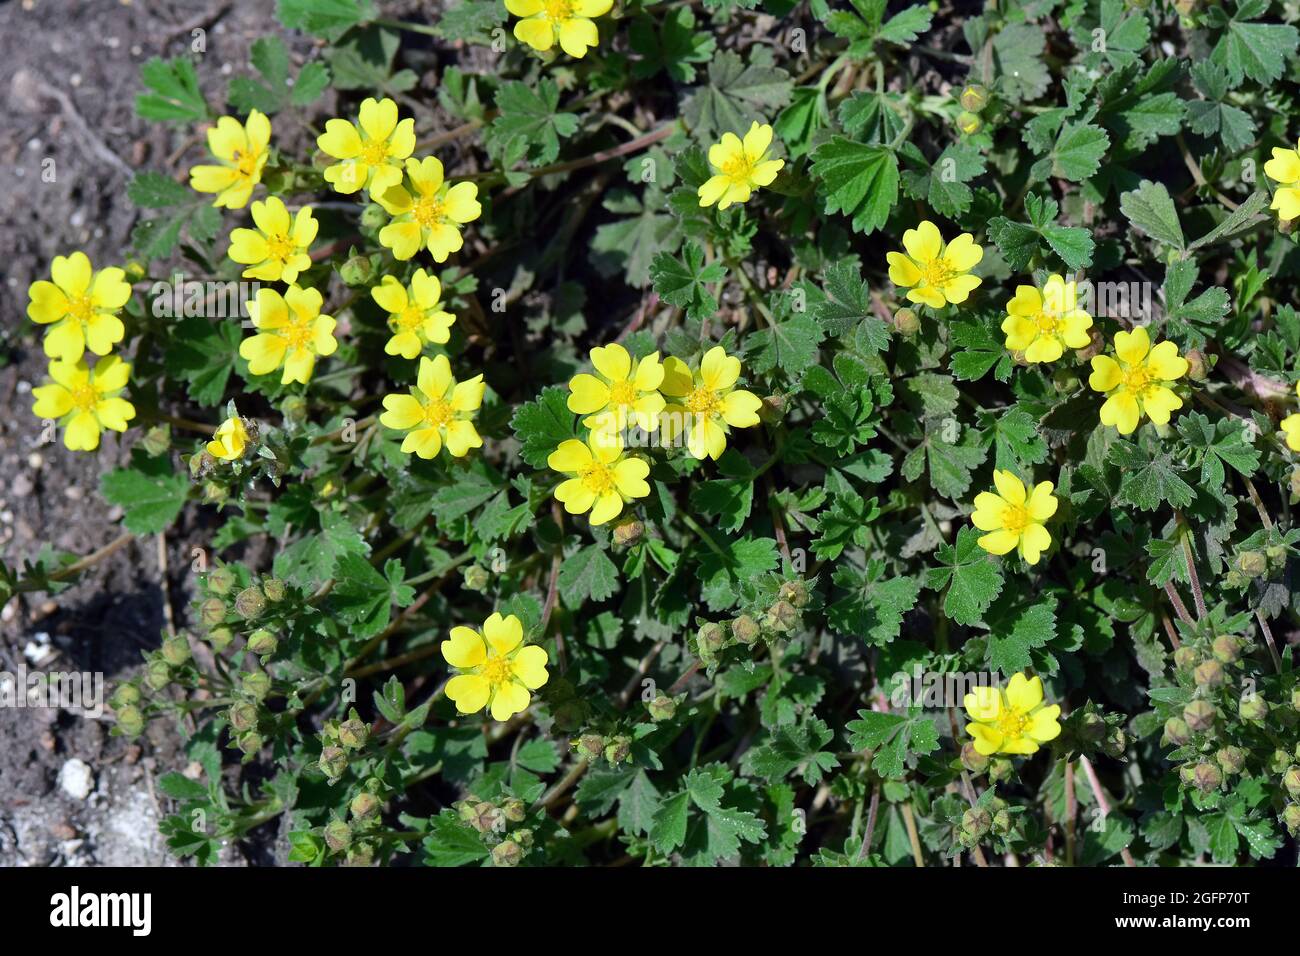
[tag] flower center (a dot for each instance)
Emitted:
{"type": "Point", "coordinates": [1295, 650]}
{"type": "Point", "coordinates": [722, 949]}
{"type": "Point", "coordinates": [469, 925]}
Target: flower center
{"type": "Point", "coordinates": [622, 393]}
{"type": "Point", "coordinates": [246, 163]}
{"type": "Point", "coordinates": [1012, 724]}
{"type": "Point", "coordinates": [496, 670]}
{"type": "Point", "coordinates": [737, 168]}
{"type": "Point", "coordinates": [279, 247]}
{"type": "Point", "coordinates": [702, 401]}
{"type": "Point", "coordinates": [1136, 378]}
{"type": "Point", "coordinates": [1015, 518]}
{"type": "Point", "coordinates": [84, 397]}
{"type": "Point", "coordinates": [409, 319]}
{"type": "Point", "coordinates": [597, 478]}
{"type": "Point", "coordinates": [438, 413]}
{"type": "Point", "coordinates": [81, 308]}
{"type": "Point", "coordinates": [374, 152]}
{"type": "Point", "coordinates": [1046, 322]}
{"type": "Point", "coordinates": [937, 272]}
{"type": "Point", "coordinates": [558, 10]}
{"type": "Point", "coordinates": [428, 212]}
{"type": "Point", "coordinates": [297, 333]}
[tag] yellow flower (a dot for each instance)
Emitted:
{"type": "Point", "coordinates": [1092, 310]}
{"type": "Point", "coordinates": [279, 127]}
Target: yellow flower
{"type": "Point", "coordinates": [1014, 516]}
{"type": "Point", "coordinates": [277, 251]}
{"type": "Point", "coordinates": [242, 149]}
{"type": "Point", "coordinates": [1011, 720]}
{"type": "Point", "coordinates": [709, 404]}
{"type": "Point", "coordinates": [80, 306]}
{"type": "Point", "coordinates": [230, 440]}
{"type": "Point", "coordinates": [1284, 167]}
{"type": "Point", "coordinates": [1138, 382]}
{"type": "Point", "coordinates": [602, 479]}
{"type": "Point", "coordinates": [1043, 325]}
{"type": "Point", "coordinates": [370, 157]}
{"type": "Point", "coordinates": [292, 333]}
{"type": "Point", "coordinates": [437, 411]}
{"type": "Point", "coordinates": [935, 274]}
{"type": "Point", "coordinates": [497, 670]}
{"type": "Point", "coordinates": [568, 21]}
{"type": "Point", "coordinates": [428, 213]}
{"type": "Point", "coordinates": [85, 401]}
{"type": "Point", "coordinates": [621, 393]}
{"type": "Point", "coordinates": [741, 167]}
{"type": "Point", "coordinates": [415, 315]}
{"type": "Point", "coordinates": [1291, 427]}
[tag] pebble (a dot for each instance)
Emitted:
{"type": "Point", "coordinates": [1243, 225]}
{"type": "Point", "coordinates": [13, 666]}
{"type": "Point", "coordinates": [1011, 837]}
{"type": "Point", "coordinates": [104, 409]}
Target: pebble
{"type": "Point", "coordinates": [76, 779]}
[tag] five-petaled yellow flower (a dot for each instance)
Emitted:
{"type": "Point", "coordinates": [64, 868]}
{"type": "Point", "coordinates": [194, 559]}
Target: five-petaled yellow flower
{"type": "Point", "coordinates": [415, 313]}
{"type": "Point", "coordinates": [242, 149]}
{"type": "Point", "coordinates": [708, 404]}
{"type": "Point", "coordinates": [1044, 324]}
{"type": "Point", "coordinates": [1291, 427]}
{"type": "Point", "coordinates": [437, 411]}
{"type": "Point", "coordinates": [80, 306]}
{"type": "Point", "coordinates": [277, 250]}
{"type": "Point", "coordinates": [428, 212]}
{"type": "Point", "coordinates": [621, 394]}
{"type": "Point", "coordinates": [935, 274]}
{"type": "Point", "coordinates": [1284, 167]}
{"type": "Point", "coordinates": [291, 332]}
{"type": "Point", "coordinates": [230, 441]}
{"type": "Point", "coordinates": [741, 167]}
{"type": "Point", "coordinates": [1011, 719]}
{"type": "Point", "coordinates": [602, 479]}
{"type": "Point", "coordinates": [1138, 383]}
{"type": "Point", "coordinates": [1014, 517]}
{"type": "Point", "coordinates": [85, 401]}
{"type": "Point", "coordinates": [497, 669]}
{"type": "Point", "coordinates": [370, 157]}
{"type": "Point", "coordinates": [567, 21]}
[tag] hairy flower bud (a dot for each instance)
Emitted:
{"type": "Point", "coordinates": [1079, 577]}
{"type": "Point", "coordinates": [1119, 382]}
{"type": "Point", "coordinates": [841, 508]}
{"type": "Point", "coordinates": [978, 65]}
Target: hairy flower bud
{"type": "Point", "coordinates": [781, 617]}
{"type": "Point", "coordinates": [1093, 727]}
{"type": "Point", "coordinates": [220, 638]}
{"type": "Point", "coordinates": [1116, 743]}
{"type": "Point", "coordinates": [257, 684]}
{"type": "Point", "coordinates": [507, 853]}
{"type": "Point", "coordinates": [974, 97]}
{"type": "Point", "coordinates": [1231, 759]}
{"type": "Point", "coordinates": [514, 809]}
{"type": "Point", "coordinates": [1208, 674]}
{"type": "Point", "coordinates": [589, 746]}
{"type": "Point", "coordinates": [709, 640]}
{"type": "Point", "coordinates": [1196, 370]}
{"type": "Point", "coordinates": [1200, 715]}
{"type": "Point", "coordinates": [662, 707]}
{"type": "Point", "coordinates": [618, 750]}
{"type": "Point", "coordinates": [357, 271]}
{"type": "Point", "coordinates": [124, 695]}
{"type": "Point", "coordinates": [242, 716]}
{"type": "Point", "coordinates": [1252, 563]}
{"type": "Point", "coordinates": [374, 217]}
{"type": "Point", "coordinates": [333, 761]}
{"type": "Point", "coordinates": [338, 835]}
{"type": "Point", "coordinates": [353, 733]}
{"type": "Point", "coordinates": [130, 721]}
{"type": "Point", "coordinates": [745, 629]}
{"type": "Point", "coordinates": [476, 578]}
{"type": "Point", "coordinates": [1186, 658]}
{"type": "Point", "coordinates": [1295, 699]}
{"type": "Point", "coordinates": [1177, 732]}
{"type": "Point", "coordinates": [250, 602]}
{"type": "Point", "coordinates": [262, 642]}
{"type": "Point", "coordinates": [212, 612]}
{"type": "Point", "coordinates": [976, 821]}
{"type": "Point", "coordinates": [1206, 777]}
{"type": "Point", "coordinates": [364, 805]}
{"type": "Point", "coordinates": [1001, 770]}
{"type": "Point", "coordinates": [906, 322]}
{"type": "Point", "coordinates": [972, 759]}
{"type": "Point", "coordinates": [157, 674]}
{"type": "Point", "coordinates": [1291, 818]}
{"type": "Point", "coordinates": [795, 592]}
{"type": "Point", "coordinates": [220, 581]}
{"type": "Point", "coordinates": [1253, 707]}
{"type": "Point", "coordinates": [250, 742]}
{"type": "Point", "coordinates": [1226, 648]}
{"type": "Point", "coordinates": [628, 533]}
{"type": "Point", "coordinates": [1291, 780]}
{"type": "Point", "coordinates": [274, 589]}
{"type": "Point", "coordinates": [969, 123]}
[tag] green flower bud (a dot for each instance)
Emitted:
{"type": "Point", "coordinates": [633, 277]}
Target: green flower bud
{"type": "Point", "coordinates": [130, 721]}
{"type": "Point", "coordinates": [1115, 744]}
{"type": "Point", "coordinates": [157, 674]}
{"type": "Point", "coordinates": [1295, 699]}
{"type": "Point", "coordinates": [256, 684]}
{"type": "Point", "coordinates": [212, 612]}
{"type": "Point", "coordinates": [976, 821]}
{"type": "Point", "coordinates": [628, 533]}
{"type": "Point", "coordinates": [242, 715]}
{"type": "Point", "coordinates": [795, 592]}
{"type": "Point", "coordinates": [1275, 553]}
{"type": "Point", "coordinates": [1206, 777]}
{"type": "Point", "coordinates": [250, 602]}
{"type": "Point", "coordinates": [618, 750]}
{"type": "Point", "coordinates": [157, 440]}
{"type": "Point", "coordinates": [709, 639]}
{"type": "Point", "coordinates": [1196, 370]}
{"type": "Point", "coordinates": [274, 589]}
{"type": "Point", "coordinates": [745, 629]}
{"type": "Point", "coordinates": [214, 493]}
{"type": "Point", "coordinates": [374, 216]}
{"type": "Point", "coordinates": [514, 809]}
{"type": "Point", "coordinates": [1187, 774]}
{"type": "Point", "coordinates": [1208, 674]}
{"type": "Point", "coordinates": [969, 123]}
{"type": "Point", "coordinates": [262, 642]}
{"type": "Point", "coordinates": [363, 855]}
{"type": "Point", "coordinates": [523, 837]}
{"type": "Point", "coordinates": [476, 578]}
{"type": "Point", "coordinates": [1231, 759]}
{"type": "Point", "coordinates": [333, 762]}
{"type": "Point", "coordinates": [1093, 727]}
{"type": "Point", "coordinates": [906, 322]}
{"type": "Point", "coordinates": [294, 409]}
{"type": "Point", "coordinates": [1226, 648]}
{"type": "Point", "coordinates": [124, 695]}
{"type": "Point", "coordinates": [1200, 715]}
{"type": "Point", "coordinates": [589, 746]}
{"type": "Point", "coordinates": [507, 853]}
{"type": "Point", "coordinates": [220, 638]}
{"type": "Point", "coordinates": [250, 742]}
{"type": "Point", "coordinates": [1253, 707]}
{"type": "Point", "coordinates": [338, 835]}
{"type": "Point", "coordinates": [357, 271]}
{"type": "Point", "coordinates": [974, 97]}
{"type": "Point", "coordinates": [1185, 658]}
{"type": "Point", "coordinates": [1177, 732]}
{"type": "Point", "coordinates": [1279, 761]}
{"type": "Point", "coordinates": [662, 707]}
{"type": "Point", "coordinates": [1001, 770]}
{"type": "Point", "coordinates": [1291, 780]}
{"type": "Point", "coordinates": [220, 582]}
{"type": "Point", "coordinates": [1252, 564]}
{"type": "Point", "coordinates": [484, 817]}
{"type": "Point", "coordinates": [1002, 823]}
{"type": "Point", "coordinates": [972, 759]}
{"type": "Point", "coordinates": [364, 805]}
{"type": "Point", "coordinates": [353, 733]}
{"type": "Point", "coordinates": [781, 617]}
{"type": "Point", "coordinates": [1291, 817]}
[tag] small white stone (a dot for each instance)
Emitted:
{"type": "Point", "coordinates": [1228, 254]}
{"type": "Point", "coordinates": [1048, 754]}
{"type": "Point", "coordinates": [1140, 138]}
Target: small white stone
{"type": "Point", "coordinates": [76, 779]}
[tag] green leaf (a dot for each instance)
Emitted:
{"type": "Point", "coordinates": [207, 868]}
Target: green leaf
{"type": "Point", "coordinates": [857, 180]}
{"type": "Point", "coordinates": [896, 739]}
{"type": "Point", "coordinates": [1017, 61]}
{"type": "Point", "coordinates": [1243, 217]}
{"type": "Point", "coordinates": [1216, 445]}
{"type": "Point", "coordinates": [874, 605]}
{"type": "Point", "coordinates": [736, 95]}
{"type": "Point", "coordinates": [1255, 50]}
{"type": "Point", "coordinates": [588, 574]}
{"type": "Point", "coordinates": [727, 500]}
{"type": "Point", "coordinates": [674, 48]}
{"type": "Point", "coordinates": [542, 424]}
{"type": "Point", "coordinates": [629, 245]}
{"type": "Point", "coordinates": [790, 345]}
{"type": "Point", "coordinates": [274, 92]}
{"type": "Point", "coordinates": [684, 282]}
{"type": "Point", "coordinates": [1151, 209]}
{"type": "Point", "coordinates": [1016, 629]}
{"type": "Point", "coordinates": [1019, 243]}
{"type": "Point", "coordinates": [175, 95]}
{"type": "Point", "coordinates": [1076, 155]}
{"type": "Point", "coordinates": [363, 598]}
{"type": "Point", "coordinates": [149, 492]}
{"type": "Point", "coordinates": [452, 842]}
{"type": "Point", "coordinates": [328, 19]}
{"type": "Point", "coordinates": [530, 113]}
{"type": "Point", "coordinates": [844, 522]}
{"type": "Point", "coordinates": [204, 353]}
{"type": "Point", "coordinates": [970, 573]}
{"type": "Point", "coordinates": [1149, 482]}
{"type": "Point", "coordinates": [740, 561]}
{"type": "Point", "coordinates": [1212, 115]}
{"type": "Point", "coordinates": [942, 184]}
{"type": "Point", "coordinates": [155, 191]}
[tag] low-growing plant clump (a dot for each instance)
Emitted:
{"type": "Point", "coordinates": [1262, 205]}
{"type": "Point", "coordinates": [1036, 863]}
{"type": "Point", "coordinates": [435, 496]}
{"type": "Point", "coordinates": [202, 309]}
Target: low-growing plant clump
{"type": "Point", "coordinates": [683, 433]}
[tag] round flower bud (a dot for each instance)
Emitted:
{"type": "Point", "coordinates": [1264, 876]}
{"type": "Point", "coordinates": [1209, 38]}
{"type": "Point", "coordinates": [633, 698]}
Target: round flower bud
{"type": "Point", "coordinates": [618, 750]}
{"type": "Point", "coordinates": [294, 409]}
{"type": "Point", "coordinates": [972, 759]}
{"type": "Point", "coordinates": [1206, 777]}
{"type": "Point", "coordinates": [1252, 563]}
{"type": "Point", "coordinates": [1253, 707]}
{"type": "Point", "coordinates": [1226, 648]}
{"type": "Point", "coordinates": [1185, 658]}
{"type": "Point", "coordinates": [662, 707]}
{"type": "Point", "coordinates": [364, 805]}
{"type": "Point", "coordinates": [709, 639]}
{"type": "Point", "coordinates": [1295, 699]}
{"type": "Point", "coordinates": [976, 821]}
{"type": "Point", "coordinates": [1275, 553]}
{"type": "Point", "coordinates": [157, 674]}
{"type": "Point", "coordinates": [353, 733]}
{"type": "Point", "coordinates": [1196, 370]}
{"type": "Point", "coordinates": [220, 638]}
{"type": "Point", "coordinates": [590, 746]}
{"type": "Point", "coordinates": [507, 853]}
{"type": "Point", "coordinates": [1001, 770]}
{"type": "Point", "coordinates": [374, 217]}
{"type": "Point", "coordinates": [357, 271]}
{"type": "Point", "coordinates": [745, 629]}
{"type": "Point", "coordinates": [795, 592]}
{"type": "Point", "coordinates": [212, 612]}
{"type": "Point", "coordinates": [1295, 483]}
{"type": "Point", "coordinates": [1208, 674]}
{"type": "Point", "coordinates": [129, 720]}
{"type": "Point", "coordinates": [338, 835]}
{"type": "Point", "coordinates": [1187, 774]}
{"type": "Point", "coordinates": [1231, 759]}
{"type": "Point", "coordinates": [250, 742]}
{"type": "Point", "coordinates": [781, 617]}
{"type": "Point", "coordinates": [1093, 727]}
{"type": "Point", "coordinates": [1291, 780]}
{"type": "Point", "coordinates": [1177, 732]}
{"type": "Point", "coordinates": [124, 695]}
{"type": "Point", "coordinates": [1279, 761]}
{"type": "Point", "coordinates": [220, 581]}
{"type": "Point", "coordinates": [969, 123]}
{"type": "Point", "coordinates": [1002, 822]}
{"type": "Point", "coordinates": [628, 533]}
{"type": "Point", "coordinates": [1291, 818]}
{"type": "Point", "coordinates": [242, 715]}
{"type": "Point", "coordinates": [256, 684]}
{"type": "Point", "coordinates": [262, 642]}
{"type": "Point", "coordinates": [476, 578]}
{"type": "Point", "coordinates": [1116, 743]}
{"type": "Point", "coordinates": [907, 322]}
{"type": "Point", "coordinates": [363, 855]}
{"type": "Point", "coordinates": [514, 810]}
{"type": "Point", "coordinates": [1200, 715]}
{"type": "Point", "coordinates": [974, 97]}
{"type": "Point", "coordinates": [333, 762]}
{"type": "Point", "coordinates": [250, 602]}
{"type": "Point", "coordinates": [274, 589]}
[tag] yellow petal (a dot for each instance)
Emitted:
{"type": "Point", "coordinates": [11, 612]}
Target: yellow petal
{"type": "Point", "coordinates": [571, 456]}
{"type": "Point", "coordinates": [629, 478]}
{"type": "Point", "coordinates": [72, 273]}
{"type": "Point", "coordinates": [1164, 362]}
{"type": "Point", "coordinates": [1121, 411]}
{"type": "Point", "coordinates": [1106, 374]}
{"type": "Point", "coordinates": [1042, 503]}
{"type": "Point", "coordinates": [999, 542]}
{"type": "Point", "coordinates": [529, 666]}
{"type": "Point", "coordinates": [923, 244]}
{"type": "Point", "coordinates": [1011, 488]}
{"type": "Point", "coordinates": [1158, 402]}
{"type": "Point", "coordinates": [461, 437]}
{"type": "Point", "coordinates": [1132, 347]}
{"type": "Point", "coordinates": [465, 648]}
{"type": "Point", "coordinates": [503, 634]}
{"type": "Point", "coordinates": [511, 698]}
{"type": "Point", "coordinates": [1024, 694]}
{"type": "Point", "coordinates": [740, 409]}
{"type": "Point", "coordinates": [983, 703]}
{"type": "Point", "coordinates": [469, 692]}
{"type": "Point", "coordinates": [718, 370]}
{"type": "Point", "coordinates": [402, 412]}
{"type": "Point", "coordinates": [339, 140]}
{"type": "Point", "coordinates": [536, 32]}
{"type": "Point", "coordinates": [606, 508]}
{"type": "Point", "coordinates": [963, 254]}
{"type": "Point", "coordinates": [587, 394]}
